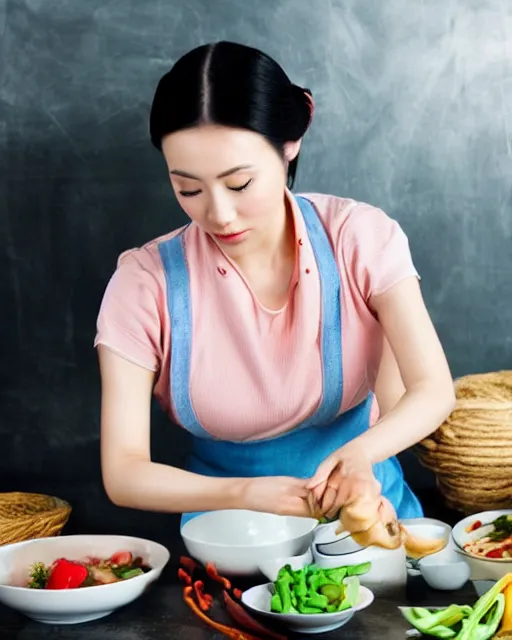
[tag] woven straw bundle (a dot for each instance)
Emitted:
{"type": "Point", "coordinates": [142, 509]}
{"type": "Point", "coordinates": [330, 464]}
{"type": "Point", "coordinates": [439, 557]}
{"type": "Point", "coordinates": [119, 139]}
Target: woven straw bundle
{"type": "Point", "coordinates": [24, 516]}
{"type": "Point", "coordinates": [471, 453]}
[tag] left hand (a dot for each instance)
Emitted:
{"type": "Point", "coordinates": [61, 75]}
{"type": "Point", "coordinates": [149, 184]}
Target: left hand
{"type": "Point", "coordinates": [345, 476]}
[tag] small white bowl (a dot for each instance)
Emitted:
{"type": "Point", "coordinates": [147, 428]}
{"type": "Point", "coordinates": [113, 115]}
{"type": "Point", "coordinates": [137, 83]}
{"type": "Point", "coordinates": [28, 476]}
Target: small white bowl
{"type": "Point", "coordinates": [258, 600]}
{"type": "Point", "coordinates": [237, 540]}
{"type": "Point", "coordinates": [446, 570]}
{"type": "Point", "coordinates": [429, 528]}
{"type": "Point", "coordinates": [388, 568]}
{"type": "Point", "coordinates": [481, 568]}
{"type": "Point", "coordinates": [72, 606]}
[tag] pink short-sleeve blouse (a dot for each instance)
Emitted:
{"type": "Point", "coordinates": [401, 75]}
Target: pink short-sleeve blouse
{"type": "Point", "coordinates": [255, 372]}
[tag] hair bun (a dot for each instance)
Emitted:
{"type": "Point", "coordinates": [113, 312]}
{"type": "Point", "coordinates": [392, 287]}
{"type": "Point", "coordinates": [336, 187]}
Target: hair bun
{"type": "Point", "coordinates": [306, 104]}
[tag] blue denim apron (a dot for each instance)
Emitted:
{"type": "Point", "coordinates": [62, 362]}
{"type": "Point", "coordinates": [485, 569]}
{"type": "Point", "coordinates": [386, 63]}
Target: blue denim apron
{"type": "Point", "coordinates": [298, 452]}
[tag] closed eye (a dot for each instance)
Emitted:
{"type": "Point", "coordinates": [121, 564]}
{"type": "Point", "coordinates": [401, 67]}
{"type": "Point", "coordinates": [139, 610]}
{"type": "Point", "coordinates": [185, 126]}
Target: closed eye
{"type": "Point", "coordinates": [242, 187]}
{"type": "Point", "coordinates": [189, 194]}
{"type": "Point", "coordinates": [196, 192]}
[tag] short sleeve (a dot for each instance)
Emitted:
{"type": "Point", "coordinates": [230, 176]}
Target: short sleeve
{"type": "Point", "coordinates": [377, 249]}
{"type": "Point", "coordinates": [129, 321]}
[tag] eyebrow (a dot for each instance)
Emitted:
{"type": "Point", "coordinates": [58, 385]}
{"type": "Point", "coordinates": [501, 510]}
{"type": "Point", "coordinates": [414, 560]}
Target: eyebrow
{"type": "Point", "coordinates": [185, 174]}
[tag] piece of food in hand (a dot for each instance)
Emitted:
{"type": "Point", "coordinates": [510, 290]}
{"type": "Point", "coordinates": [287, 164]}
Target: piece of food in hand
{"type": "Point", "coordinates": [371, 522]}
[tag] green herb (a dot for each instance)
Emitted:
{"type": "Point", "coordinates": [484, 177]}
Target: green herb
{"type": "Point", "coordinates": [39, 576]}
{"type": "Point", "coordinates": [502, 528]}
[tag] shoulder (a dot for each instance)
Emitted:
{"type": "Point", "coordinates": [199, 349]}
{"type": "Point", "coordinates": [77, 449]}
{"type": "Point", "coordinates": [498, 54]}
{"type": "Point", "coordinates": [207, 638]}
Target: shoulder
{"type": "Point", "coordinates": [132, 315]}
{"type": "Point", "coordinates": [370, 245]}
{"type": "Point", "coordinates": [348, 219]}
{"type": "Point", "coordinates": [146, 258]}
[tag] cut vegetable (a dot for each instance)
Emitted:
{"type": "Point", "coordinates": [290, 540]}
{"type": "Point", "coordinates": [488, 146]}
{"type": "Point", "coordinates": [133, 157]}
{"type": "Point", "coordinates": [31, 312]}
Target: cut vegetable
{"type": "Point", "coordinates": [480, 622]}
{"type": "Point", "coordinates": [315, 590]}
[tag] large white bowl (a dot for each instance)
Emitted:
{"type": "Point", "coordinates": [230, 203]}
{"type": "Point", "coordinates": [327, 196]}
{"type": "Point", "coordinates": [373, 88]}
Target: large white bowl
{"type": "Point", "coordinates": [258, 600]}
{"type": "Point", "coordinates": [481, 568]}
{"type": "Point", "coordinates": [236, 541]}
{"type": "Point", "coordinates": [72, 606]}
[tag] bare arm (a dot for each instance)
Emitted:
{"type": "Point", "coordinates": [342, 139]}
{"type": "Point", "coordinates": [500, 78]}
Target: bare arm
{"type": "Point", "coordinates": [130, 478]}
{"type": "Point", "coordinates": [389, 386]}
{"type": "Point", "coordinates": [429, 393]}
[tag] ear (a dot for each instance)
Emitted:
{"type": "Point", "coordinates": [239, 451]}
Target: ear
{"type": "Point", "coordinates": [291, 150]}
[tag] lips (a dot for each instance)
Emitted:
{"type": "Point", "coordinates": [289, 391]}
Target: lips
{"type": "Point", "coordinates": [230, 237]}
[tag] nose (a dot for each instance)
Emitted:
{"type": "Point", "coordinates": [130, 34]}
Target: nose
{"type": "Point", "coordinates": [221, 212]}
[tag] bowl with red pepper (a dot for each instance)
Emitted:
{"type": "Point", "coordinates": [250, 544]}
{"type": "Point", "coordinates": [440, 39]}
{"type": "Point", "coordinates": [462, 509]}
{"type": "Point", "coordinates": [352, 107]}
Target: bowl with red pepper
{"type": "Point", "coordinates": [78, 578]}
{"type": "Point", "coordinates": [485, 540]}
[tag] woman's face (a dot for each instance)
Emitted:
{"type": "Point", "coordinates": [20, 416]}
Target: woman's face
{"type": "Point", "coordinates": [231, 182]}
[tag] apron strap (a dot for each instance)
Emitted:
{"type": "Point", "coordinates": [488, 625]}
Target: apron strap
{"type": "Point", "coordinates": [172, 253]}
{"type": "Point", "coordinates": [331, 344]}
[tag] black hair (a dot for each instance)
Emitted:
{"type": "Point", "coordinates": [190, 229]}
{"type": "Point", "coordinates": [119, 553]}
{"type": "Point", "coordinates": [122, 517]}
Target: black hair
{"type": "Point", "coordinates": [232, 85]}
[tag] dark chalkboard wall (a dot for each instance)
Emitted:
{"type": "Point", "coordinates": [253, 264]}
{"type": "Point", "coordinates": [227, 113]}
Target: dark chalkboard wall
{"type": "Point", "coordinates": [413, 114]}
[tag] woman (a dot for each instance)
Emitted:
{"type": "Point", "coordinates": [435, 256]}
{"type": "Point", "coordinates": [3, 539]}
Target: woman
{"type": "Point", "coordinates": [260, 325]}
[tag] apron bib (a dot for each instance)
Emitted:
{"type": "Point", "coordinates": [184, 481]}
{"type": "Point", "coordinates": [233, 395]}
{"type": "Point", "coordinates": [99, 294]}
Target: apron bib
{"type": "Point", "coordinates": [298, 452]}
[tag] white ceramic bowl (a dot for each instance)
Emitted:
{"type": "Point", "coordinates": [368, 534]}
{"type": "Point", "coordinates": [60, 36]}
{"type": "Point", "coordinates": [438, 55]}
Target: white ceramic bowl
{"type": "Point", "coordinates": [72, 606]}
{"type": "Point", "coordinates": [388, 568]}
{"type": "Point", "coordinates": [269, 567]}
{"type": "Point", "coordinates": [236, 541]}
{"type": "Point", "coordinates": [481, 568]}
{"type": "Point", "coordinates": [429, 528]}
{"type": "Point", "coordinates": [446, 570]}
{"type": "Point", "coordinates": [258, 600]}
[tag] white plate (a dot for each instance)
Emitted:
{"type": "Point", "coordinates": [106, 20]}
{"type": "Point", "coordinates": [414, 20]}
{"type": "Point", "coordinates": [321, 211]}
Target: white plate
{"type": "Point", "coordinates": [258, 600]}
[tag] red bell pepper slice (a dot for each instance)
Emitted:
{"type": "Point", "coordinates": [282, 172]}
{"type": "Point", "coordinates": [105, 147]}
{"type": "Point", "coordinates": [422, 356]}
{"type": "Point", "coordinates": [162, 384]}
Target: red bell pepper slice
{"type": "Point", "coordinates": [66, 575]}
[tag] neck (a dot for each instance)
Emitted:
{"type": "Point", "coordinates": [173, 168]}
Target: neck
{"type": "Point", "coordinates": [275, 248]}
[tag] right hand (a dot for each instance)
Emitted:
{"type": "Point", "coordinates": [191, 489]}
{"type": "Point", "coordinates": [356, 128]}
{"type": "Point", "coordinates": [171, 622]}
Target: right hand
{"type": "Point", "coordinates": [281, 495]}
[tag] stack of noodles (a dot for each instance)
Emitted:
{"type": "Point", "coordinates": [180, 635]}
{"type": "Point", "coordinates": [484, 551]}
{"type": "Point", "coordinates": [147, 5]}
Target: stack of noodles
{"type": "Point", "coordinates": [471, 453]}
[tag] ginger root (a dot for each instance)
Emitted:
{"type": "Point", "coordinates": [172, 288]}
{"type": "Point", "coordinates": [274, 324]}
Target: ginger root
{"type": "Point", "coordinates": [374, 522]}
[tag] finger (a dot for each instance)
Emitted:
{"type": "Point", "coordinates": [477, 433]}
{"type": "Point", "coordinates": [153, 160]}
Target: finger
{"type": "Point", "coordinates": [314, 506]}
{"type": "Point", "coordinates": [344, 492]}
{"type": "Point", "coordinates": [318, 492]}
{"type": "Point", "coordinates": [323, 471]}
{"type": "Point", "coordinates": [329, 499]}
